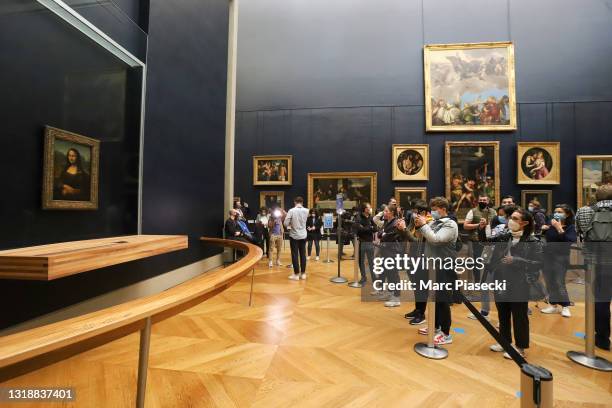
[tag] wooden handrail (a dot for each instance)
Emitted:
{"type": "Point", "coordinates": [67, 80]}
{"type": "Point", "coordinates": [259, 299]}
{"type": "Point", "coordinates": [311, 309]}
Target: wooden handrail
{"type": "Point", "coordinates": [31, 349]}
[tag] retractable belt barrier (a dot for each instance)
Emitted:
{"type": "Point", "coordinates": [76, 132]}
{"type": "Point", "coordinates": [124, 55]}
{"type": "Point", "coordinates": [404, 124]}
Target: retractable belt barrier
{"type": "Point", "coordinates": [536, 381]}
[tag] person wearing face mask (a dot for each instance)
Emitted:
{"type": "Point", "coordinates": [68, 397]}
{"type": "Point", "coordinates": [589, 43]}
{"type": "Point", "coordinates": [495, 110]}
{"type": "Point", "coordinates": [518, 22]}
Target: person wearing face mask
{"type": "Point", "coordinates": [441, 236]}
{"type": "Point", "coordinates": [390, 245]}
{"type": "Point", "coordinates": [415, 250]}
{"type": "Point", "coordinates": [478, 218]}
{"type": "Point", "coordinates": [262, 235]}
{"type": "Point", "coordinates": [313, 228]}
{"type": "Point", "coordinates": [365, 228]}
{"type": "Point", "coordinates": [514, 262]}
{"type": "Point", "coordinates": [539, 215]}
{"type": "Point", "coordinates": [559, 235]}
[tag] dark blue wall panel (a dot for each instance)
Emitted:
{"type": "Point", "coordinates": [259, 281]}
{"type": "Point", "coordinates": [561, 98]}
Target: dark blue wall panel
{"type": "Point", "coordinates": [345, 55]}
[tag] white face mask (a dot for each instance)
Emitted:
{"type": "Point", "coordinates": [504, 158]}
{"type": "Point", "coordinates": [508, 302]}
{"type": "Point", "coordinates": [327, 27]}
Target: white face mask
{"type": "Point", "coordinates": [514, 226]}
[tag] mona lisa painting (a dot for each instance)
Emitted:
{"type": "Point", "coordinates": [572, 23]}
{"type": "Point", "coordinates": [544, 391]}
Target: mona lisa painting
{"type": "Point", "coordinates": [70, 176]}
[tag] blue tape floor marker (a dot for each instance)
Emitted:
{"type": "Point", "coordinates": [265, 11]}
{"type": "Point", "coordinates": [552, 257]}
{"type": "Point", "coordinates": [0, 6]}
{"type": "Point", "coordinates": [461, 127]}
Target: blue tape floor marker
{"type": "Point", "coordinates": [519, 394]}
{"type": "Point", "coordinates": [459, 330]}
{"type": "Point", "coordinates": [580, 335]}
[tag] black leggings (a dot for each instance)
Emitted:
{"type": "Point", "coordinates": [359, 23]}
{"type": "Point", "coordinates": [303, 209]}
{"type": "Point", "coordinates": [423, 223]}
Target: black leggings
{"type": "Point", "coordinates": [317, 245]}
{"type": "Point", "coordinates": [514, 315]}
{"type": "Point", "coordinates": [298, 255]}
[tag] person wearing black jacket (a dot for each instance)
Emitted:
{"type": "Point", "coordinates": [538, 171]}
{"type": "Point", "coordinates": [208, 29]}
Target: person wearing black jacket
{"type": "Point", "coordinates": [313, 230]}
{"type": "Point", "coordinates": [232, 229]}
{"type": "Point", "coordinates": [391, 236]}
{"type": "Point", "coordinates": [517, 256]}
{"type": "Point", "coordinates": [365, 229]}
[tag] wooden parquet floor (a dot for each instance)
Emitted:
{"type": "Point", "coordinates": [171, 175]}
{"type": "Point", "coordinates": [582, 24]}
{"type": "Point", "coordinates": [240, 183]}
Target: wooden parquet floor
{"type": "Point", "coordinates": [315, 344]}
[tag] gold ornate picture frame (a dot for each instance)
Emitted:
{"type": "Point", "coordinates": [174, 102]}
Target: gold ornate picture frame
{"type": "Point", "coordinates": [546, 202]}
{"type": "Point", "coordinates": [405, 196]}
{"type": "Point", "coordinates": [70, 171]}
{"type": "Point", "coordinates": [410, 162]}
{"type": "Point", "coordinates": [469, 87]}
{"type": "Point", "coordinates": [591, 172]}
{"type": "Point", "coordinates": [273, 170]}
{"type": "Point", "coordinates": [538, 163]}
{"type": "Point", "coordinates": [471, 169]}
{"type": "Point", "coordinates": [357, 187]}
{"type": "Point", "coordinates": [269, 199]}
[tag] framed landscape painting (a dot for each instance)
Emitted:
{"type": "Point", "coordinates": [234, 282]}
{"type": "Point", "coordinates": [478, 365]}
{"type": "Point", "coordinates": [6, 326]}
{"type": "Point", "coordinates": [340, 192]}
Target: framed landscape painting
{"type": "Point", "coordinates": [538, 163]}
{"type": "Point", "coordinates": [592, 172]}
{"type": "Point", "coordinates": [356, 187]}
{"type": "Point", "coordinates": [272, 199]}
{"type": "Point", "coordinates": [471, 170]}
{"type": "Point", "coordinates": [272, 170]}
{"type": "Point", "coordinates": [406, 196]}
{"type": "Point", "coordinates": [544, 197]}
{"type": "Point", "coordinates": [410, 162]}
{"type": "Point", "coordinates": [70, 174]}
{"type": "Point", "coordinates": [469, 87]}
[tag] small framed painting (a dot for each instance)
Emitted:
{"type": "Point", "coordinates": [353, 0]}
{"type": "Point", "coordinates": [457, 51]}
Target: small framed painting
{"type": "Point", "coordinates": [272, 199]}
{"type": "Point", "coordinates": [355, 187]}
{"type": "Point", "coordinates": [538, 163]}
{"type": "Point", "coordinates": [406, 196]}
{"type": "Point", "coordinates": [410, 162]}
{"type": "Point", "coordinates": [70, 174]}
{"type": "Point", "coordinates": [273, 170]}
{"type": "Point", "coordinates": [544, 197]}
{"type": "Point", "coordinates": [592, 172]}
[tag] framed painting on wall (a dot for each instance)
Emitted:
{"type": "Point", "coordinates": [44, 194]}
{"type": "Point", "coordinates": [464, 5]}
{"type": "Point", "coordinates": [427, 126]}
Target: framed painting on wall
{"type": "Point", "coordinates": [272, 199]}
{"type": "Point", "coordinates": [356, 187]}
{"type": "Point", "coordinates": [538, 163]}
{"type": "Point", "coordinates": [471, 170]}
{"type": "Point", "coordinates": [592, 172]}
{"type": "Point", "coordinates": [544, 197]}
{"type": "Point", "coordinates": [469, 87]}
{"type": "Point", "coordinates": [71, 168]}
{"type": "Point", "coordinates": [272, 170]}
{"type": "Point", "coordinates": [406, 196]}
{"type": "Point", "coordinates": [410, 162]}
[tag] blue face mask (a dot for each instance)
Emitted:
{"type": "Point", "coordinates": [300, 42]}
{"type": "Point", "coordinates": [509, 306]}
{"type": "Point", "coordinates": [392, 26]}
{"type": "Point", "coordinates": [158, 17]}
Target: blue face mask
{"type": "Point", "coordinates": [502, 219]}
{"type": "Point", "coordinates": [559, 216]}
{"type": "Point", "coordinates": [435, 215]}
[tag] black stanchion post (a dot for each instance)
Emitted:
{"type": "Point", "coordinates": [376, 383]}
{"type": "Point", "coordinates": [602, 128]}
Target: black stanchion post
{"type": "Point", "coordinates": [339, 278]}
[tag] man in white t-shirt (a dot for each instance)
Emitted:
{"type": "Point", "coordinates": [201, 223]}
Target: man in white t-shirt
{"type": "Point", "coordinates": [296, 220]}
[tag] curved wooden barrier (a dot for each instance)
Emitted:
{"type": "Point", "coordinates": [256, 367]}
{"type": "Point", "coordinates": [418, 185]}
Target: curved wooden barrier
{"type": "Point", "coordinates": [35, 348]}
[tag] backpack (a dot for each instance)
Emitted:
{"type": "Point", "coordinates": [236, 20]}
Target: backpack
{"type": "Point", "coordinates": [600, 227]}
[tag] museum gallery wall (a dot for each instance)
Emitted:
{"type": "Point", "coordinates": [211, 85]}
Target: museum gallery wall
{"type": "Point", "coordinates": [91, 102]}
{"type": "Point", "coordinates": [373, 95]}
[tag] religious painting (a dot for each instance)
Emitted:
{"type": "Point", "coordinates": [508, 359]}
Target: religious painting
{"type": "Point", "coordinates": [406, 196]}
{"type": "Point", "coordinates": [471, 170]}
{"type": "Point", "coordinates": [592, 171]}
{"type": "Point", "coordinates": [272, 199]}
{"type": "Point", "coordinates": [272, 170]}
{"type": "Point", "coordinates": [70, 175]}
{"type": "Point", "coordinates": [356, 188]}
{"type": "Point", "coordinates": [470, 87]}
{"type": "Point", "coordinates": [538, 163]}
{"type": "Point", "coordinates": [544, 197]}
{"type": "Point", "coordinates": [410, 162]}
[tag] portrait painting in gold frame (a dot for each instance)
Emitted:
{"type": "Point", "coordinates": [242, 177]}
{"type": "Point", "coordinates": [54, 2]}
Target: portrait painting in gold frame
{"type": "Point", "coordinates": [406, 196]}
{"type": "Point", "coordinates": [410, 162]}
{"type": "Point", "coordinates": [273, 170]}
{"type": "Point", "coordinates": [592, 171]}
{"type": "Point", "coordinates": [272, 199]}
{"type": "Point", "coordinates": [538, 163]}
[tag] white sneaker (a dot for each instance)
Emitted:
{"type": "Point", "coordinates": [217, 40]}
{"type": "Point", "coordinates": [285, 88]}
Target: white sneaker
{"type": "Point", "coordinates": [293, 276]}
{"type": "Point", "coordinates": [317, 258]}
{"type": "Point", "coordinates": [270, 264]}
{"type": "Point", "coordinates": [376, 293]}
{"type": "Point", "coordinates": [565, 312]}
{"type": "Point", "coordinates": [497, 348]}
{"type": "Point", "coordinates": [384, 297]}
{"type": "Point", "coordinates": [308, 258]}
{"type": "Point", "coordinates": [471, 316]}
{"type": "Point", "coordinates": [303, 276]}
{"type": "Point", "coordinates": [550, 309]}
{"type": "Point", "coordinates": [394, 301]}
{"type": "Point", "coordinates": [279, 263]}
